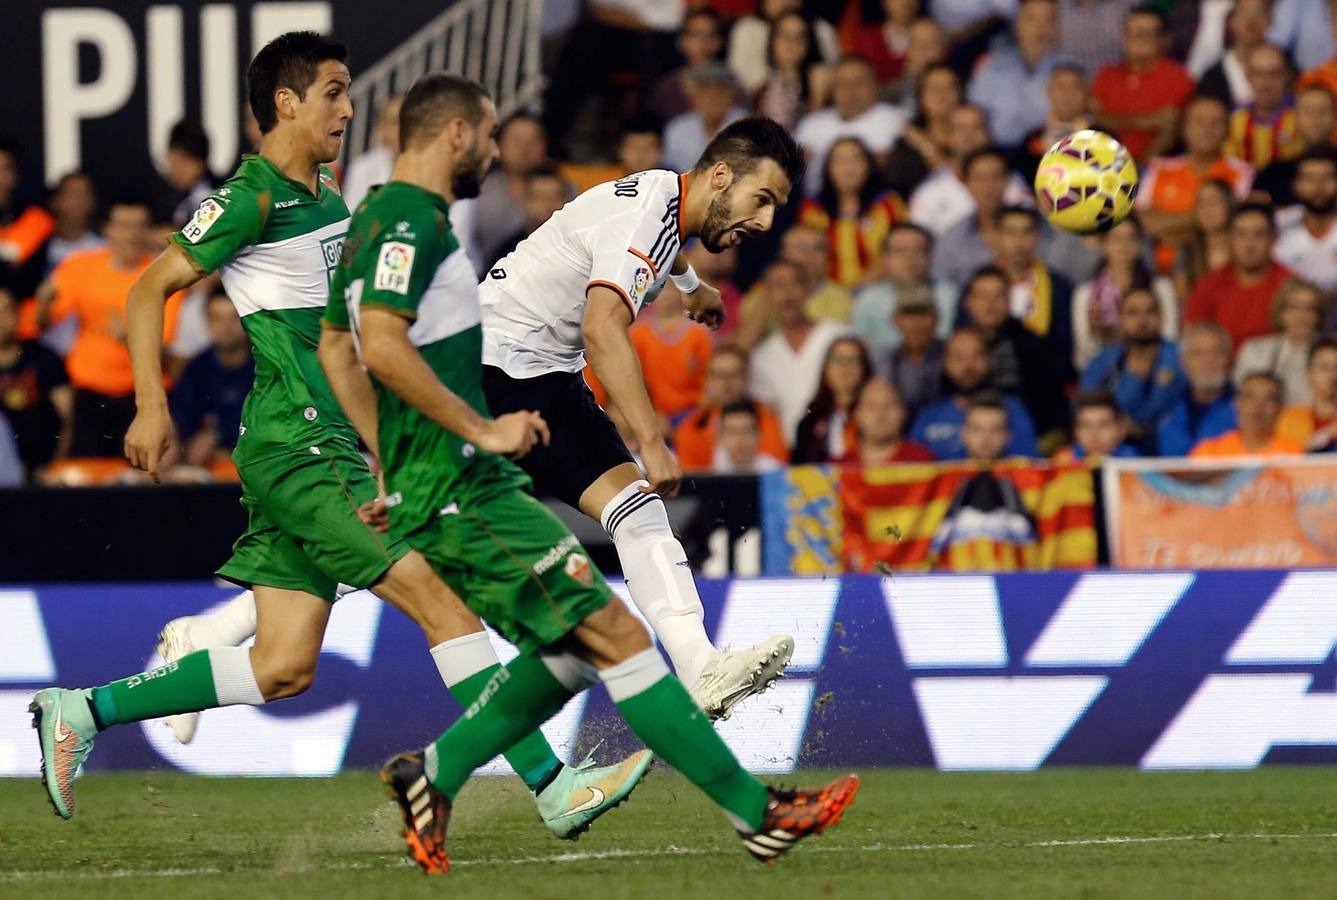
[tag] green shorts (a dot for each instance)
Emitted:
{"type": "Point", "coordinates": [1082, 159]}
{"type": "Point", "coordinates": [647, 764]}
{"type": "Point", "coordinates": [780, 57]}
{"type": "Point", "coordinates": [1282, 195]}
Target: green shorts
{"type": "Point", "coordinates": [514, 564]}
{"type": "Point", "coordinates": [304, 533]}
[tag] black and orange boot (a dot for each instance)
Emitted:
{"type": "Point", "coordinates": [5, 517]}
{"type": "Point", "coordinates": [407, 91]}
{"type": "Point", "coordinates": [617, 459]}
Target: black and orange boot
{"type": "Point", "coordinates": [426, 811]}
{"type": "Point", "coordinates": [793, 815]}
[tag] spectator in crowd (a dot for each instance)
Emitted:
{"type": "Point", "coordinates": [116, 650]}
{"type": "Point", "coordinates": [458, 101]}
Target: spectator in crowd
{"type": "Point", "coordinates": [984, 432]}
{"type": "Point", "coordinates": [1089, 30]}
{"type": "Point", "coordinates": [1313, 425]}
{"type": "Point", "coordinates": [1257, 409]}
{"type": "Point", "coordinates": [1095, 304]}
{"type": "Point", "coordinates": [700, 40]}
{"type": "Point", "coordinates": [1141, 369]}
{"type": "Point", "coordinates": [1020, 362]}
{"type": "Point", "coordinates": [373, 166]}
{"type": "Point", "coordinates": [1099, 430]}
{"type": "Point", "coordinates": [1308, 246]}
{"type": "Point", "coordinates": [1170, 184]}
{"type": "Point", "coordinates": [499, 210]}
{"type": "Point", "coordinates": [695, 440]}
{"type": "Point", "coordinates": [1265, 130]}
{"type": "Point", "coordinates": [749, 41]}
{"type": "Point", "coordinates": [1208, 243]}
{"type": "Point", "coordinates": [928, 47]}
{"type": "Point", "coordinates": [1299, 310]}
{"type": "Point", "coordinates": [880, 418]}
{"type": "Point", "coordinates": [971, 24]}
{"type": "Point", "coordinates": [787, 366]}
{"type": "Point", "coordinates": [1209, 29]}
{"type": "Point", "coordinates": [826, 430]}
{"type": "Point", "coordinates": [713, 94]}
{"type": "Point", "coordinates": [717, 270]}
{"type": "Point", "coordinates": [24, 230]}
{"type": "Point", "coordinates": [739, 449]}
{"type": "Point", "coordinates": [1315, 121]}
{"type": "Point", "coordinates": [1228, 80]}
{"type": "Point", "coordinates": [1069, 100]}
{"type": "Point", "coordinates": [914, 367]}
{"type": "Point", "coordinates": [1139, 99]}
{"type": "Point", "coordinates": [186, 169]}
{"type": "Point", "coordinates": [207, 399]}
{"type": "Point", "coordinates": [35, 394]}
{"type": "Point", "coordinates": [641, 146]}
{"type": "Point", "coordinates": [855, 112]}
{"type": "Point", "coordinates": [1304, 28]}
{"type": "Point", "coordinates": [1207, 409]}
{"type": "Point", "coordinates": [1324, 74]}
{"type": "Point", "coordinates": [1038, 296]}
{"type": "Point", "coordinates": [943, 199]}
{"type": "Point", "coordinates": [810, 245]}
{"type": "Point", "coordinates": [1010, 83]}
{"type": "Point", "coordinates": [886, 44]}
{"type": "Point", "coordinates": [674, 352]}
{"type": "Point", "coordinates": [925, 146]}
{"type": "Point", "coordinates": [74, 205]}
{"type": "Point", "coordinates": [965, 366]}
{"type": "Point", "coordinates": [854, 210]}
{"type": "Point", "coordinates": [906, 253]}
{"type": "Point", "coordinates": [798, 81]}
{"type": "Point", "coordinates": [93, 287]}
{"type": "Point", "coordinates": [1239, 295]}
{"type": "Point", "coordinates": [962, 247]}
{"type": "Point", "coordinates": [545, 193]}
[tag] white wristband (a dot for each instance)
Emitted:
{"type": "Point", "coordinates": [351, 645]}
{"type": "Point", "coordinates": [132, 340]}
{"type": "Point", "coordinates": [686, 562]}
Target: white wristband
{"type": "Point", "coordinates": [686, 282]}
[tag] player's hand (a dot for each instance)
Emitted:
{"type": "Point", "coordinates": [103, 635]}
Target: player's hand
{"type": "Point", "coordinates": [705, 305]}
{"type": "Point", "coordinates": [514, 434]}
{"type": "Point", "coordinates": [149, 439]}
{"type": "Point", "coordinates": [661, 469]}
{"type": "Point", "coordinates": [375, 514]}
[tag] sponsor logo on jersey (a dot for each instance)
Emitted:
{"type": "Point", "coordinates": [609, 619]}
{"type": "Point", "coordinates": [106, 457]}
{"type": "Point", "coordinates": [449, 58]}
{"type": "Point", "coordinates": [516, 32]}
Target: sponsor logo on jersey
{"type": "Point", "coordinates": [333, 250]}
{"type": "Point", "coordinates": [208, 213]}
{"type": "Point", "coordinates": [555, 554]}
{"type": "Point", "coordinates": [394, 264]}
{"type": "Point", "coordinates": [578, 567]}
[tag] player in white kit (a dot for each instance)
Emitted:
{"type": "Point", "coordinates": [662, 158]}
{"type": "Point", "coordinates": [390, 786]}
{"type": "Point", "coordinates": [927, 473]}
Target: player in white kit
{"type": "Point", "coordinates": [568, 293]}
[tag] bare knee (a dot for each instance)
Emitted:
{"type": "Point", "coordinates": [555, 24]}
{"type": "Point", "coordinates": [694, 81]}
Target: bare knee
{"type": "Point", "coordinates": [284, 676]}
{"type": "Point", "coordinates": [611, 635]}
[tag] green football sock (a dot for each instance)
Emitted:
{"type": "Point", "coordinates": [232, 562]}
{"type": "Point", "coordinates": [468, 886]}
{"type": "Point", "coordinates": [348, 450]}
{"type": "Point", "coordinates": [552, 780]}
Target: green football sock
{"type": "Point", "coordinates": [659, 710]}
{"type": "Point", "coordinates": [513, 702]}
{"type": "Point", "coordinates": [532, 757]}
{"type": "Point", "coordinates": [184, 686]}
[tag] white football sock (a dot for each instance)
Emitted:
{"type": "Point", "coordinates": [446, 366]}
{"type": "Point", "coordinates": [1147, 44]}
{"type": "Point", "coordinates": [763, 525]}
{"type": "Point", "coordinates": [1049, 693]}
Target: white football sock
{"type": "Point", "coordinates": [234, 678]}
{"type": "Point", "coordinates": [659, 577]}
{"type": "Point", "coordinates": [227, 626]}
{"type": "Point", "coordinates": [463, 657]}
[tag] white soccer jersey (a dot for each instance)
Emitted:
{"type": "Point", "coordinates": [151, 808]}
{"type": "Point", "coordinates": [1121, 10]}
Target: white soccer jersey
{"type": "Point", "coordinates": [1313, 258]}
{"type": "Point", "coordinates": [620, 234]}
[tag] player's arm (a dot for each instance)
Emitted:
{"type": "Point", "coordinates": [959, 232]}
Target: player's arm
{"type": "Point", "coordinates": [609, 350]}
{"type": "Point", "coordinates": [151, 435]}
{"type": "Point", "coordinates": [702, 301]}
{"type": "Point", "coordinates": [352, 387]}
{"type": "Point", "coordinates": [388, 354]}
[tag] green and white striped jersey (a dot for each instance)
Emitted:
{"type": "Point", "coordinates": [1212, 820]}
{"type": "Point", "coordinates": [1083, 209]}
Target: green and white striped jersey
{"type": "Point", "coordinates": [277, 246]}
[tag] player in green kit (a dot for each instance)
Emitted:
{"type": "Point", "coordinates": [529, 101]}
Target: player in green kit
{"type": "Point", "coordinates": [275, 230]}
{"type": "Point", "coordinates": [406, 297]}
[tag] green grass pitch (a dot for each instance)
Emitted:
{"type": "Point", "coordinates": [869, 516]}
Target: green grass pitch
{"type": "Point", "coordinates": [1056, 833]}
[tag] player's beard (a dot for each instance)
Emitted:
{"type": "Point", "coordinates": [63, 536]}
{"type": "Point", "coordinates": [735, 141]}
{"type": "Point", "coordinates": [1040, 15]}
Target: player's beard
{"type": "Point", "coordinates": [1315, 208]}
{"type": "Point", "coordinates": [467, 179]}
{"type": "Point", "coordinates": [717, 224]}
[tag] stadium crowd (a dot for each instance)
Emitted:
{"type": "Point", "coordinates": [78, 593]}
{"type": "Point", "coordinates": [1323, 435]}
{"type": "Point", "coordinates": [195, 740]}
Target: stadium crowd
{"type": "Point", "coordinates": [910, 303]}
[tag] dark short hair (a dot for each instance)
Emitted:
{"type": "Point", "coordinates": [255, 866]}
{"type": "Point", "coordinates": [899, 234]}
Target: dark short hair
{"type": "Point", "coordinates": [745, 143]}
{"type": "Point", "coordinates": [129, 199]}
{"type": "Point", "coordinates": [1252, 208]}
{"type": "Point", "coordinates": [1323, 343]}
{"type": "Point", "coordinates": [731, 349]}
{"type": "Point", "coordinates": [521, 116]}
{"type": "Point", "coordinates": [1030, 214]}
{"type": "Point", "coordinates": [703, 12]}
{"type": "Point", "coordinates": [992, 151]}
{"type": "Point", "coordinates": [189, 137]}
{"type": "Point", "coordinates": [909, 226]}
{"type": "Point", "coordinates": [745, 407]}
{"type": "Point", "coordinates": [545, 169]}
{"type": "Point", "coordinates": [1265, 375]}
{"type": "Point", "coordinates": [434, 100]}
{"type": "Point", "coordinates": [982, 273]}
{"type": "Point", "coordinates": [1094, 399]}
{"type": "Point", "coordinates": [289, 61]}
{"type": "Point", "coordinates": [1316, 154]}
{"type": "Point", "coordinates": [643, 123]}
{"type": "Point", "coordinates": [987, 399]}
{"type": "Point", "coordinates": [1150, 9]}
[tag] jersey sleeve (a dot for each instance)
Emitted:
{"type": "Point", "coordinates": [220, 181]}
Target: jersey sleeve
{"type": "Point", "coordinates": [336, 306]}
{"type": "Point", "coordinates": [402, 261]}
{"type": "Point", "coordinates": [630, 252]}
{"type": "Point", "coordinates": [226, 221]}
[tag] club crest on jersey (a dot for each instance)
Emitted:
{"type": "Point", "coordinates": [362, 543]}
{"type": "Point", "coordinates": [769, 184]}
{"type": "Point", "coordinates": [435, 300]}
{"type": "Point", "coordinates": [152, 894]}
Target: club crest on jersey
{"type": "Point", "coordinates": [394, 264]}
{"type": "Point", "coordinates": [578, 567]}
{"type": "Point", "coordinates": [640, 283]}
{"type": "Point", "coordinates": [205, 216]}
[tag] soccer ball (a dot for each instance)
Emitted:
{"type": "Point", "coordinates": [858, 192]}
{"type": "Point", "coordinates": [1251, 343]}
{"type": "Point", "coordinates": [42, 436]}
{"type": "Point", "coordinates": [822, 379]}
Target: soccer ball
{"type": "Point", "coordinates": [1086, 183]}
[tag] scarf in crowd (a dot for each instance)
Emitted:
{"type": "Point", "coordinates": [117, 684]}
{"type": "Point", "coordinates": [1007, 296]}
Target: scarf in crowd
{"type": "Point", "coordinates": [1032, 300]}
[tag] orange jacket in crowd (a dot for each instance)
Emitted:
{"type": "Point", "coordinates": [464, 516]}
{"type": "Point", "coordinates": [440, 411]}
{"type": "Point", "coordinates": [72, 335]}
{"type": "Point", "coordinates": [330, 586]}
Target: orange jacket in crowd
{"type": "Point", "coordinates": [694, 438]}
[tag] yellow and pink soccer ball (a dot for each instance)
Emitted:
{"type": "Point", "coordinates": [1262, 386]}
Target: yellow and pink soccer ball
{"type": "Point", "coordinates": [1086, 183]}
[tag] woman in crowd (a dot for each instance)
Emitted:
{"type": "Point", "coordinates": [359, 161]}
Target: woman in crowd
{"type": "Point", "coordinates": [880, 420]}
{"type": "Point", "coordinates": [924, 146]}
{"type": "Point", "coordinates": [749, 39]}
{"type": "Point", "coordinates": [1313, 425]}
{"type": "Point", "coordinates": [798, 80]}
{"type": "Point", "coordinates": [854, 210]}
{"type": "Point", "coordinates": [1299, 310]}
{"type": "Point", "coordinates": [885, 44]}
{"type": "Point", "coordinates": [1095, 304]}
{"type": "Point", "coordinates": [827, 431]}
{"type": "Point", "coordinates": [1210, 245]}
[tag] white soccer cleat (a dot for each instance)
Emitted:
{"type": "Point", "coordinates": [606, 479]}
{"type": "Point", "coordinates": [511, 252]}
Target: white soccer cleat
{"type": "Point", "coordinates": [738, 674]}
{"type": "Point", "coordinates": [174, 642]}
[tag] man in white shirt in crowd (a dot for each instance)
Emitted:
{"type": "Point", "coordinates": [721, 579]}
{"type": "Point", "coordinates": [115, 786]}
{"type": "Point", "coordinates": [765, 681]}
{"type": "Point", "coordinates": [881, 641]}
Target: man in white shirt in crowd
{"type": "Point", "coordinates": [855, 112]}
{"type": "Point", "coordinates": [1309, 246]}
{"type": "Point", "coordinates": [943, 199]}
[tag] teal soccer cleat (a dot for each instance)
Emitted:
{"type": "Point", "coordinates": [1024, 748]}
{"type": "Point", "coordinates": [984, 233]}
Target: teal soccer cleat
{"type": "Point", "coordinates": [584, 792]}
{"type": "Point", "coordinates": [65, 730]}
